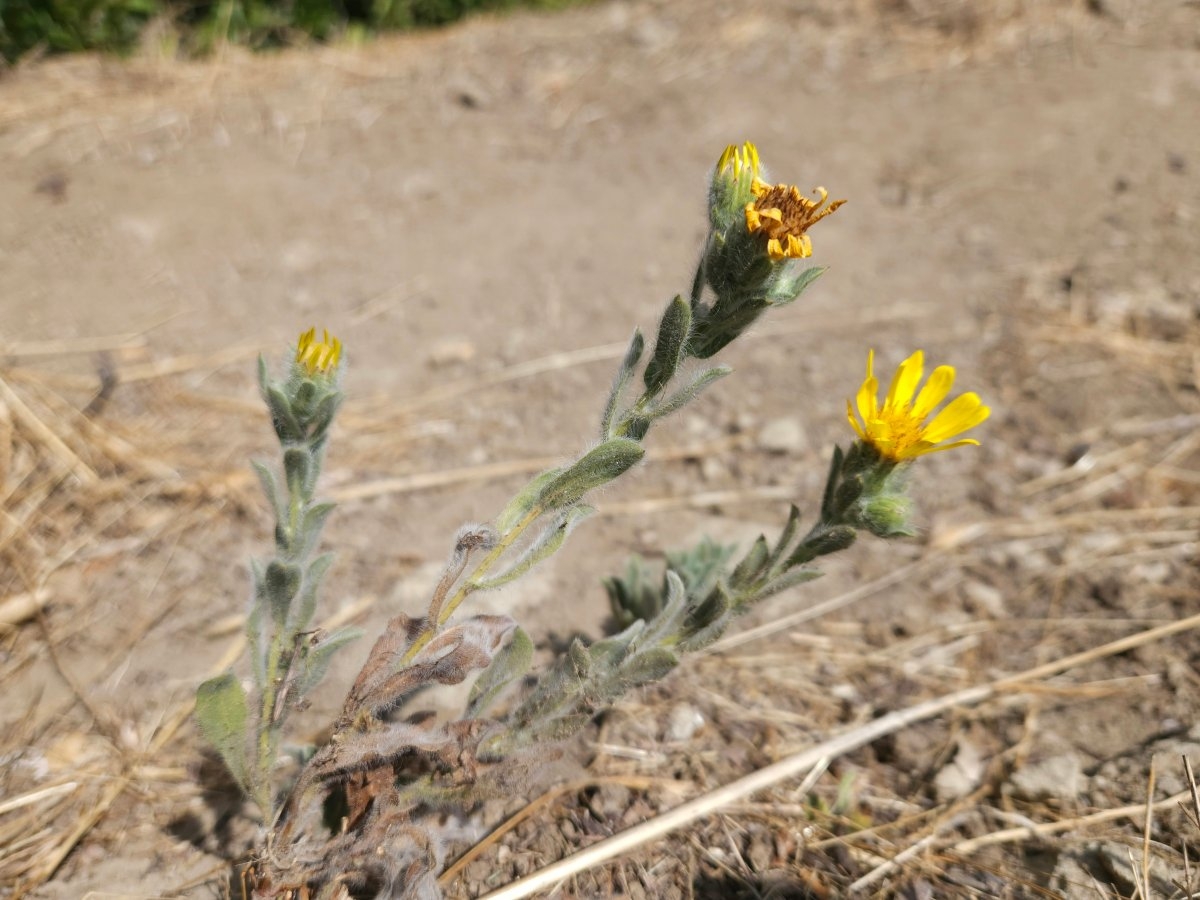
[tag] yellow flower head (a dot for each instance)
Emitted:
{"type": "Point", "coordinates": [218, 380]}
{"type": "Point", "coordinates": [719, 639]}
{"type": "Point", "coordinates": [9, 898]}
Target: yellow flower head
{"type": "Point", "coordinates": [738, 160]}
{"type": "Point", "coordinates": [897, 430]}
{"type": "Point", "coordinates": [784, 214]}
{"type": "Point", "coordinates": [318, 356]}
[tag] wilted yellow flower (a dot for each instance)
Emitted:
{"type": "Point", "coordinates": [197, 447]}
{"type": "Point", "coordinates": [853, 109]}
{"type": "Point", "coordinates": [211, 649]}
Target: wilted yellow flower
{"type": "Point", "coordinates": [897, 430]}
{"type": "Point", "coordinates": [318, 356]}
{"type": "Point", "coordinates": [784, 214]}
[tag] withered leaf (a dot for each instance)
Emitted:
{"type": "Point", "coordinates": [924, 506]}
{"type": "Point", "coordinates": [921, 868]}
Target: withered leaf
{"type": "Point", "coordinates": [447, 659]}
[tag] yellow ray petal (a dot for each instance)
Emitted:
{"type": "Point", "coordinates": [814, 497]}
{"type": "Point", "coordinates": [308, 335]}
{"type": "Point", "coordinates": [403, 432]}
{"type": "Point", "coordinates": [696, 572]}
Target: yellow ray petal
{"type": "Point", "coordinates": [935, 391]}
{"type": "Point", "coordinates": [854, 422]}
{"type": "Point", "coordinates": [904, 384]}
{"type": "Point", "coordinates": [961, 414]}
{"type": "Point", "coordinates": [868, 399]}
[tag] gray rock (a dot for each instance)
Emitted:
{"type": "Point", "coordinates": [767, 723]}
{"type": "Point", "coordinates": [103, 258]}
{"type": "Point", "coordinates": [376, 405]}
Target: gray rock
{"type": "Point", "coordinates": [782, 436]}
{"type": "Point", "coordinates": [1073, 879]}
{"type": "Point", "coordinates": [683, 722]}
{"type": "Point", "coordinates": [1119, 860]}
{"type": "Point", "coordinates": [961, 775]}
{"type": "Point", "coordinates": [1056, 777]}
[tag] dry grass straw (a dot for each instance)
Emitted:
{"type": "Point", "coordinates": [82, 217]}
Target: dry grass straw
{"type": "Point", "coordinates": [1191, 881]}
{"type": "Point", "coordinates": [66, 493]}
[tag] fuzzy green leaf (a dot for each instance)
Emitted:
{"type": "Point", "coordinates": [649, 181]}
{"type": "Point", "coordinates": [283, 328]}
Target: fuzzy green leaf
{"type": "Point", "coordinates": [828, 513]}
{"type": "Point", "coordinates": [636, 426]}
{"type": "Point", "coordinates": [509, 664]}
{"type": "Point", "coordinates": [724, 324]}
{"type": "Point", "coordinates": [788, 286]}
{"type": "Point", "coordinates": [646, 667]}
{"type": "Point", "coordinates": [547, 544]}
{"type": "Point", "coordinates": [324, 413]}
{"type": "Point", "coordinates": [824, 542]}
{"type": "Point", "coordinates": [310, 528]}
{"type": "Point", "coordinates": [317, 657]}
{"type": "Point", "coordinates": [579, 658]}
{"type": "Point", "coordinates": [305, 607]}
{"type": "Point", "coordinates": [752, 565]}
{"type": "Point", "coordinates": [222, 713]}
{"type": "Point", "coordinates": [673, 333]}
{"type": "Point", "coordinates": [709, 610]}
{"type": "Point", "coordinates": [264, 378]}
{"type": "Point", "coordinates": [526, 500]}
{"type": "Point", "coordinates": [608, 652]}
{"type": "Point", "coordinates": [690, 391]}
{"type": "Point", "coordinates": [666, 625]}
{"type": "Point", "coordinates": [785, 537]}
{"type": "Point", "coordinates": [712, 618]}
{"type": "Point", "coordinates": [270, 487]}
{"type": "Point", "coordinates": [632, 357]}
{"type": "Point", "coordinates": [304, 393]}
{"type": "Point", "coordinates": [848, 492]}
{"type": "Point", "coordinates": [254, 625]}
{"type": "Point", "coordinates": [297, 467]}
{"type": "Point", "coordinates": [788, 580]}
{"type": "Point", "coordinates": [282, 418]}
{"type": "Point", "coordinates": [281, 581]}
{"type": "Point", "coordinates": [597, 467]}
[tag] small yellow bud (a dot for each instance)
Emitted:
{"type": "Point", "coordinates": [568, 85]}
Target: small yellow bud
{"type": "Point", "coordinates": [318, 356]}
{"type": "Point", "coordinates": [738, 160]}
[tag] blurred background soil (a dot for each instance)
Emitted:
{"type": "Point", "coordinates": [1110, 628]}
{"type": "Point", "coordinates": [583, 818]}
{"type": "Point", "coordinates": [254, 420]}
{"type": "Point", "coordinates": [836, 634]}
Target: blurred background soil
{"type": "Point", "coordinates": [482, 215]}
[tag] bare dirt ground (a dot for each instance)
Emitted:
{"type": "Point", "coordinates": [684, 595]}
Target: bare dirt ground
{"type": "Point", "coordinates": [483, 215]}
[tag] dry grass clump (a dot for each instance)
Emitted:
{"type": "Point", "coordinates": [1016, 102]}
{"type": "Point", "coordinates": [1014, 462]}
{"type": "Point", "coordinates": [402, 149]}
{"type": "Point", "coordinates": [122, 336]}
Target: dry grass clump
{"type": "Point", "coordinates": [59, 471]}
{"type": "Point", "coordinates": [85, 487]}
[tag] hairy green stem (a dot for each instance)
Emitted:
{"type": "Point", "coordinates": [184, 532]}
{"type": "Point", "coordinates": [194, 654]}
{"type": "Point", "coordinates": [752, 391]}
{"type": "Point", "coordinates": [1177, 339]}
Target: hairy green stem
{"type": "Point", "coordinates": [485, 564]}
{"type": "Point", "coordinates": [266, 730]}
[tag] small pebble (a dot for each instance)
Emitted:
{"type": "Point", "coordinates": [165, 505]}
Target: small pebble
{"type": "Point", "coordinates": [1057, 777]}
{"type": "Point", "coordinates": [449, 353]}
{"type": "Point", "coordinates": [684, 721]}
{"type": "Point", "coordinates": [782, 436]}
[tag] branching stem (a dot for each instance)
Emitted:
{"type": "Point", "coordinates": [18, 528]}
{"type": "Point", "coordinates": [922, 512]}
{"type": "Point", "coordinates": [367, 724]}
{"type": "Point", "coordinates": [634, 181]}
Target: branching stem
{"type": "Point", "coordinates": [468, 586]}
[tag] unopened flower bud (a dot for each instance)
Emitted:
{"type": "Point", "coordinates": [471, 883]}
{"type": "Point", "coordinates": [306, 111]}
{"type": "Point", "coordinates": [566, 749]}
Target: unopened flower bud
{"type": "Point", "coordinates": [729, 191]}
{"type": "Point", "coordinates": [316, 356]}
{"type": "Point", "coordinates": [886, 514]}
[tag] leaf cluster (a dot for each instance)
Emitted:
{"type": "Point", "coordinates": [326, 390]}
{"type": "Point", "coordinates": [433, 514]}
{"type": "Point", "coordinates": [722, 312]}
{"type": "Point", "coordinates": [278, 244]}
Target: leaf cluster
{"type": "Point", "coordinates": [288, 658]}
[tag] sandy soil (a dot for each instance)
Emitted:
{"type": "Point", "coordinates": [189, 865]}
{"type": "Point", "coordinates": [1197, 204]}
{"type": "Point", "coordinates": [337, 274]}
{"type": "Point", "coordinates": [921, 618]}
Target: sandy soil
{"type": "Point", "coordinates": [1023, 201]}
